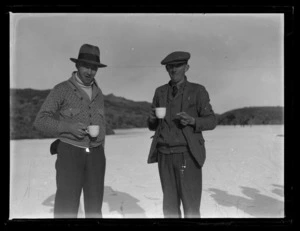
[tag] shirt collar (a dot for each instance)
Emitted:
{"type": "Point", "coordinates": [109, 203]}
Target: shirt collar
{"type": "Point", "coordinates": [181, 85]}
{"type": "Point", "coordinates": [95, 86]}
{"type": "Point", "coordinates": [78, 80]}
{"type": "Point", "coordinates": [74, 81]}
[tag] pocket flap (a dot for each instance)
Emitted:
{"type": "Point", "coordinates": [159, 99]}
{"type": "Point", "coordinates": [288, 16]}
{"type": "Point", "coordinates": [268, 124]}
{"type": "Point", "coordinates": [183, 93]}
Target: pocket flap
{"type": "Point", "coordinates": [201, 140]}
{"type": "Point", "coordinates": [71, 112]}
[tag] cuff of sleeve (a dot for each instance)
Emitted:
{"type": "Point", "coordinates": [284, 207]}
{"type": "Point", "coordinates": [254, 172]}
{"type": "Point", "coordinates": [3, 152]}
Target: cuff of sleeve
{"type": "Point", "coordinates": [152, 124]}
{"type": "Point", "coordinates": [198, 125]}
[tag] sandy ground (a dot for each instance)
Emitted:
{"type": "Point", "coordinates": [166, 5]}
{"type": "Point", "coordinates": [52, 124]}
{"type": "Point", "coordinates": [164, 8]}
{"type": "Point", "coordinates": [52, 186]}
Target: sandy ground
{"type": "Point", "coordinates": [243, 176]}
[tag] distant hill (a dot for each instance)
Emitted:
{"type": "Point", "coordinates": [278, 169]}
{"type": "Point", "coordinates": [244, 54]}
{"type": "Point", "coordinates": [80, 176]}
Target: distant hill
{"type": "Point", "coordinates": [120, 113]}
{"type": "Point", "coordinates": [124, 113]}
{"type": "Point", "coordinates": [252, 116]}
{"type": "Point", "coordinates": [25, 104]}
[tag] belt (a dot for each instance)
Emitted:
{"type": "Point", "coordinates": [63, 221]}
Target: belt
{"type": "Point", "coordinates": [87, 149]}
{"type": "Point", "coordinates": [167, 149]}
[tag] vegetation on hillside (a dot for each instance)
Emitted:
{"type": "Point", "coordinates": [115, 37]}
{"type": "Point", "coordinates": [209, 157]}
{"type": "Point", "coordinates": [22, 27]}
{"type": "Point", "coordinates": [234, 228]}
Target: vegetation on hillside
{"type": "Point", "coordinates": [25, 104]}
{"type": "Point", "coordinates": [252, 115]}
{"type": "Point", "coordinates": [120, 113]}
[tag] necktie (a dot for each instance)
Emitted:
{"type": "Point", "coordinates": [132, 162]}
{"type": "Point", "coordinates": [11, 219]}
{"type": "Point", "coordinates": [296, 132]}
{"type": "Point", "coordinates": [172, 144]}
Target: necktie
{"type": "Point", "coordinates": [175, 90]}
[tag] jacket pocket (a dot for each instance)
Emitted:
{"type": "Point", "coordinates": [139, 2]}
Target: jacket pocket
{"type": "Point", "coordinates": [191, 105]}
{"type": "Point", "coordinates": [71, 112]}
{"type": "Point", "coordinates": [201, 140]}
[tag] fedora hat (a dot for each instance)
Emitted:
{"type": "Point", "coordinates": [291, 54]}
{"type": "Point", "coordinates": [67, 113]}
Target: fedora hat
{"type": "Point", "coordinates": [89, 54]}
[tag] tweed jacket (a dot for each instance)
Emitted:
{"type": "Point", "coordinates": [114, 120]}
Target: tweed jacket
{"type": "Point", "coordinates": [67, 102]}
{"type": "Point", "coordinates": [196, 103]}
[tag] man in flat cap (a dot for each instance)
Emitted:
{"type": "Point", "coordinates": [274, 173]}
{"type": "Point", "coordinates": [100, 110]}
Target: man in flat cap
{"type": "Point", "coordinates": [178, 144]}
{"type": "Point", "coordinates": [81, 161]}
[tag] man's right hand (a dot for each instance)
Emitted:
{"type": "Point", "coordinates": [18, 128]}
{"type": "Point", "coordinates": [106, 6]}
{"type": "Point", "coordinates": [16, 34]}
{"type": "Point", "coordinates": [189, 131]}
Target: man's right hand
{"type": "Point", "coordinates": [77, 129]}
{"type": "Point", "coordinates": [152, 117]}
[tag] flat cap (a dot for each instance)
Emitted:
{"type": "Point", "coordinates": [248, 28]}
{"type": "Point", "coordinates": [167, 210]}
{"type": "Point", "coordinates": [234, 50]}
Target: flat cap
{"type": "Point", "coordinates": [176, 57]}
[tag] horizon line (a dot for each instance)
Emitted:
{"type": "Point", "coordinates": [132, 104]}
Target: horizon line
{"type": "Point", "coordinates": [49, 89]}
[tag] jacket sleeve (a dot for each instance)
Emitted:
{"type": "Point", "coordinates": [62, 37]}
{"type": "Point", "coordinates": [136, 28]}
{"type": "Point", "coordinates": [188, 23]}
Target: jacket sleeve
{"type": "Point", "coordinates": [152, 125]}
{"type": "Point", "coordinates": [46, 120]}
{"type": "Point", "coordinates": [206, 119]}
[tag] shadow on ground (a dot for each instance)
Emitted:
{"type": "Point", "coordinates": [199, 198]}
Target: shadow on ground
{"type": "Point", "coordinates": [254, 204]}
{"type": "Point", "coordinates": [118, 202]}
{"type": "Point", "coordinates": [50, 202]}
{"type": "Point", "coordinates": [122, 203]}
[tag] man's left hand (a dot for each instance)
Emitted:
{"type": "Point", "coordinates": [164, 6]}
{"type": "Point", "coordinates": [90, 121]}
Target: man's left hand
{"type": "Point", "coordinates": [186, 119]}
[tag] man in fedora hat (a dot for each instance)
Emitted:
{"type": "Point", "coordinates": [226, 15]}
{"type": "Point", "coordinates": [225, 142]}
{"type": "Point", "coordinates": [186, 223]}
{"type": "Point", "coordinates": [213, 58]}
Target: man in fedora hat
{"type": "Point", "coordinates": [71, 106]}
{"type": "Point", "coordinates": [178, 144]}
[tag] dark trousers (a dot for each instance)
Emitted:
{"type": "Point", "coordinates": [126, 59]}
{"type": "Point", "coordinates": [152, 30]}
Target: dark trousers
{"type": "Point", "coordinates": [181, 180]}
{"type": "Point", "coordinates": [78, 170]}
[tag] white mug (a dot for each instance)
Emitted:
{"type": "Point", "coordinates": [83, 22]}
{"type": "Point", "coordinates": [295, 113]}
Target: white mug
{"type": "Point", "coordinates": [160, 112]}
{"type": "Point", "coordinates": [93, 130]}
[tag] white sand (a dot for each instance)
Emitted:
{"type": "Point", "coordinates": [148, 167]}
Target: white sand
{"type": "Point", "coordinates": [243, 175]}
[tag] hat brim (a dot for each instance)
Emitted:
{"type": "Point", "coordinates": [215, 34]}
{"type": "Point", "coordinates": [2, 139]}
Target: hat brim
{"type": "Point", "coordinates": [174, 62]}
{"type": "Point", "coordinates": [88, 61]}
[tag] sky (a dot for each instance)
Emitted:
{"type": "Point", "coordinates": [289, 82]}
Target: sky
{"type": "Point", "coordinates": [238, 58]}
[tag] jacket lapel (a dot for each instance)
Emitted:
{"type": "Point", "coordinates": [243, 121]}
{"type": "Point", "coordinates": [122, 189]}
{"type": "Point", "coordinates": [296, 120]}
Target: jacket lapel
{"type": "Point", "coordinates": [76, 90]}
{"type": "Point", "coordinates": [79, 92]}
{"type": "Point", "coordinates": [96, 90]}
{"type": "Point", "coordinates": [186, 96]}
{"type": "Point", "coordinates": [163, 96]}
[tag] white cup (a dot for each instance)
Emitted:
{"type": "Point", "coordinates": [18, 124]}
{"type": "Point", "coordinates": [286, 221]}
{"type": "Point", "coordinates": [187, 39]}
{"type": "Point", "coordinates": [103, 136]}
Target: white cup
{"type": "Point", "coordinates": [93, 130]}
{"type": "Point", "coordinates": [160, 112]}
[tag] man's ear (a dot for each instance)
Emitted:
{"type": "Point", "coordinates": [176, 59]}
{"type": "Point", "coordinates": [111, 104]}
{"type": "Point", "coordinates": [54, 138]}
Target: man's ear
{"type": "Point", "coordinates": [187, 67]}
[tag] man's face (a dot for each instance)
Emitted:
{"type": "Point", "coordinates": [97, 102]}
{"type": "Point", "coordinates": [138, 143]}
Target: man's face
{"type": "Point", "coordinates": [177, 71]}
{"type": "Point", "coordinates": [86, 72]}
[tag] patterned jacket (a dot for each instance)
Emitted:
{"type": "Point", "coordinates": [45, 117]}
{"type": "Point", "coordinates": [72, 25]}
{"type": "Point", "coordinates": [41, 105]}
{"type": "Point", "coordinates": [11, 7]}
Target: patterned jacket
{"type": "Point", "coordinates": [67, 102]}
{"type": "Point", "coordinates": [196, 103]}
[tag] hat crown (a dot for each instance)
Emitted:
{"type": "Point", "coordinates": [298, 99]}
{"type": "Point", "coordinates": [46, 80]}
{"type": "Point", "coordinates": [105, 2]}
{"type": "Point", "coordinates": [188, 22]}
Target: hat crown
{"type": "Point", "coordinates": [176, 57]}
{"type": "Point", "coordinates": [89, 49]}
{"type": "Point", "coordinates": [89, 54]}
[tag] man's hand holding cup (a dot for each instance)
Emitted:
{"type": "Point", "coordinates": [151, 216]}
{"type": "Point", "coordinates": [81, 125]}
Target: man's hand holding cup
{"type": "Point", "coordinates": [186, 119]}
